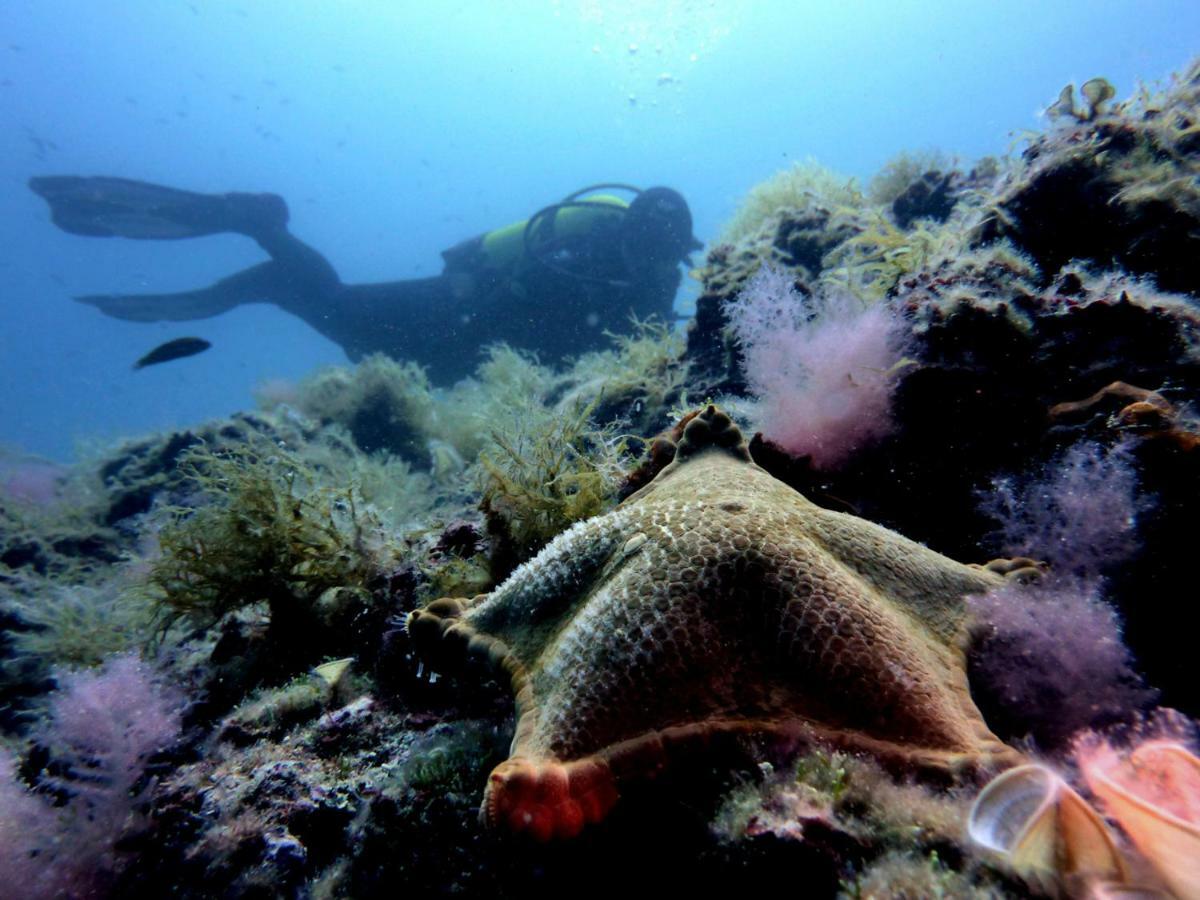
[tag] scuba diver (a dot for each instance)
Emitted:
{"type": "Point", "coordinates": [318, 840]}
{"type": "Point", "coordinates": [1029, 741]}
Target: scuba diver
{"type": "Point", "coordinates": [553, 283]}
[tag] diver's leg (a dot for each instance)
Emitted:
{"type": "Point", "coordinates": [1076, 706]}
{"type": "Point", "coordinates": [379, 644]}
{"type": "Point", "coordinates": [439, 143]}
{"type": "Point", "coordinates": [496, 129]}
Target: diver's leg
{"type": "Point", "coordinates": [306, 278]}
{"type": "Point", "coordinates": [424, 320]}
{"type": "Point", "coordinates": [100, 206]}
{"type": "Point", "coordinates": [265, 283]}
{"type": "Point", "coordinates": [298, 278]}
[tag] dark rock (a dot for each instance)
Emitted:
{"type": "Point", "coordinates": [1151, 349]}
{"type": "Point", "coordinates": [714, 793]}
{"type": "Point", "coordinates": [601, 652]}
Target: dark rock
{"type": "Point", "coordinates": [932, 196]}
{"type": "Point", "coordinates": [461, 538]}
{"type": "Point", "coordinates": [1066, 206]}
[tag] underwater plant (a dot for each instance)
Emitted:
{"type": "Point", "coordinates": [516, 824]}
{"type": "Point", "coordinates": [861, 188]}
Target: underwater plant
{"type": "Point", "coordinates": [103, 726]}
{"type": "Point", "coordinates": [902, 837]}
{"type": "Point", "coordinates": [802, 186]}
{"type": "Point", "coordinates": [821, 369]}
{"type": "Point", "coordinates": [871, 262]}
{"type": "Point", "coordinates": [397, 493]}
{"type": "Point", "coordinates": [898, 173]}
{"type": "Point", "coordinates": [507, 384]}
{"type": "Point", "coordinates": [636, 380]}
{"type": "Point", "coordinates": [23, 816]}
{"type": "Point", "coordinates": [268, 534]}
{"type": "Point", "coordinates": [1049, 660]}
{"type": "Point", "coordinates": [1079, 513]}
{"type": "Point", "coordinates": [53, 518]}
{"type": "Point", "coordinates": [852, 792]}
{"type": "Point", "coordinates": [899, 875]}
{"type": "Point", "coordinates": [1115, 184]}
{"type": "Point", "coordinates": [75, 626]}
{"type": "Point", "coordinates": [30, 480]}
{"type": "Point", "coordinates": [382, 403]}
{"type": "Point", "coordinates": [1050, 655]}
{"type": "Point", "coordinates": [542, 474]}
{"type": "Point", "coordinates": [792, 220]}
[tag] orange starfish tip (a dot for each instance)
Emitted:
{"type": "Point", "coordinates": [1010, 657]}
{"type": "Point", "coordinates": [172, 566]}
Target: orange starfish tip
{"type": "Point", "coordinates": [549, 800]}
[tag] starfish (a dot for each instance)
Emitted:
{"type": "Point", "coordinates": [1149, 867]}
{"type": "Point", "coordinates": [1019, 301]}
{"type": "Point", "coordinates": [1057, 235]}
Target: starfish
{"type": "Point", "coordinates": [715, 600]}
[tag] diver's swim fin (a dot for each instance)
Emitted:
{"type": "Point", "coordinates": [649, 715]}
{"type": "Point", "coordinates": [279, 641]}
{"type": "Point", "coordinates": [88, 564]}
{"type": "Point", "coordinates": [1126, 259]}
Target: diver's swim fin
{"type": "Point", "coordinates": [264, 283]}
{"type": "Point", "coordinates": [99, 206]}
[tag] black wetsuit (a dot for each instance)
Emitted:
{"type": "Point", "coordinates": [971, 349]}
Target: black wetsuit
{"type": "Point", "coordinates": [557, 302]}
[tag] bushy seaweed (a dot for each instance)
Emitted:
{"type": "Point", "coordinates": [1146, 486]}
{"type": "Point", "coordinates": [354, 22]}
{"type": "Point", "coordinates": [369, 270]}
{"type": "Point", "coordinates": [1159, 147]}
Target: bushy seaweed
{"type": "Point", "coordinates": [822, 368]}
{"type": "Point", "coordinates": [901, 875]}
{"type": "Point", "coordinates": [266, 534]}
{"type": "Point", "coordinates": [823, 229]}
{"type": "Point", "coordinates": [53, 519]}
{"type": "Point", "coordinates": [385, 405]}
{"type": "Point", "coordinates": [103, 726]}
{"type": "Point", "coordinates": [900, 829]}
{"type": "Point", "coordinates": [273, 711]}
{"type": "Point", "coordinates": [382, 420]}
{"type": "Point", "coordinates": [453, 756]}
{"type": "Point", "coordinates": [508, 384]}
{"type": "Point", "coordinates": [636, 381]}
{"type": "Point", "coordinates": [397, 493]}
{"type": "Point", "coordinates": [458, 577]}
{"type": "Point", "coordinates": [870, 263]}
{"type": "Point", "coordinates": [800, 187]}
{"type": "Point", "coordinates": [76, 626]}
{"type": "Point", "coordinates": [542, 474]}
{"type": "Point", "coordinates": [899, 173]}
{"type": "Point", "coordinates": [850, 793]}
{"type": "Point", "coordinates": [1162, 166]}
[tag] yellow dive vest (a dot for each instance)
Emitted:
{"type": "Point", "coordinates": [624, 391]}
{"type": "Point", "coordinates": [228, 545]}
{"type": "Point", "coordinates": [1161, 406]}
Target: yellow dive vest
{"type": "Point", "coordinates": [505, 246]}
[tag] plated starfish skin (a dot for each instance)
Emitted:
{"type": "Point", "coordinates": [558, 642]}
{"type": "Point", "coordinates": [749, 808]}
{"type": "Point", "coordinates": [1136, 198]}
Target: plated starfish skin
{"type": "Point", "coordinates": [714, 601]}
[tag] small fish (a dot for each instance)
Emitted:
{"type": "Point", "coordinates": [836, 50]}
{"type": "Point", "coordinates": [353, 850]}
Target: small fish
{"type": "Point", "coordinates": [176, 349]}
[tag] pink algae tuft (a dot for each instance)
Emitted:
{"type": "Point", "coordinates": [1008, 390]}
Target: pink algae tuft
{"type": "Point", "coordinates": [823, 370]}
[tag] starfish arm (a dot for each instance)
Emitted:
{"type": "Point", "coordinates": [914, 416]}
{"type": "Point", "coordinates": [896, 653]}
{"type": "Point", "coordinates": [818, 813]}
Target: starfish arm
{"type": "Point", "coordinates": [876, 671]}
{"type": "Point", "coordinates": [527, 607]}
{"type": "Point", "coordinates": [924, 584]}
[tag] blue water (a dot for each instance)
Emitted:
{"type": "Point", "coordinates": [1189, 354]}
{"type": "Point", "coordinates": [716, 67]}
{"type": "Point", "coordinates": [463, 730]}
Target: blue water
{"type": "Point", "coordinates": [396, 129]}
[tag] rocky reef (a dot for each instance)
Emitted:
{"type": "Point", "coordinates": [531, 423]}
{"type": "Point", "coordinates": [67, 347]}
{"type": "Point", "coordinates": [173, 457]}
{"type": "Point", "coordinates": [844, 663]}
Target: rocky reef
{"type": "Point", "coordinates": [658, 637]}
{"type": "Point", "coordinates": [1058, 276]}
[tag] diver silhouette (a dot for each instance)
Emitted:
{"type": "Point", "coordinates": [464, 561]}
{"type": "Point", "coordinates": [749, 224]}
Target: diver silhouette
{"type": "Point", "coordinates": [553, 283]}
